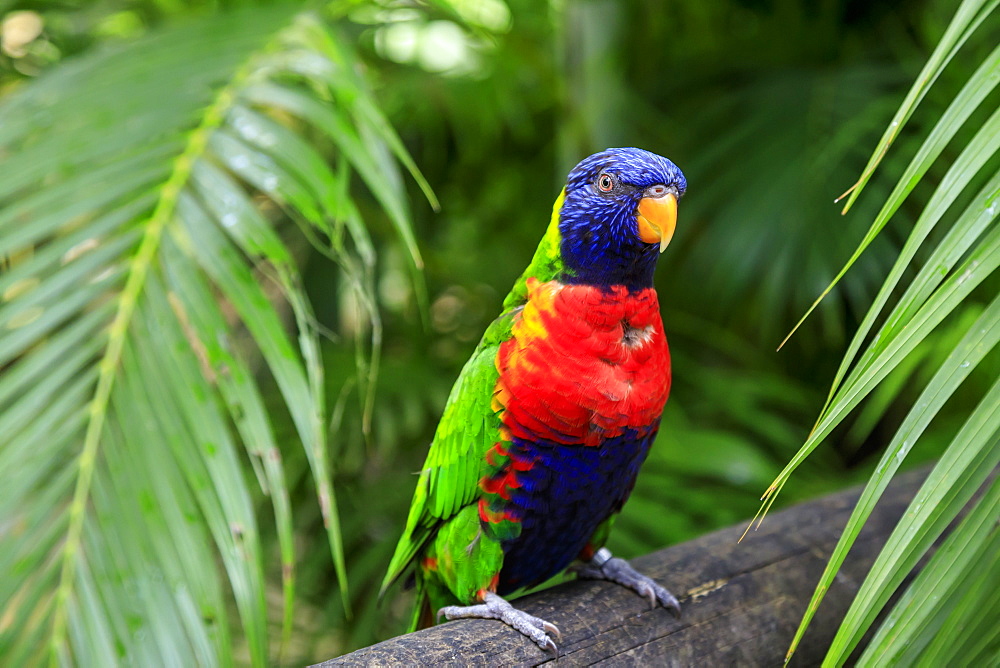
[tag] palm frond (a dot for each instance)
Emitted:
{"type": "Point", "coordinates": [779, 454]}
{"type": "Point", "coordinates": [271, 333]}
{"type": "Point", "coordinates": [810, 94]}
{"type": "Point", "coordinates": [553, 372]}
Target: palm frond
{"type": "Point", "coordinates": [145, 300]}
{"type": "Point", "coordinates": [968, 17]}
{"type": "Point", "coordinates": [943, 285]}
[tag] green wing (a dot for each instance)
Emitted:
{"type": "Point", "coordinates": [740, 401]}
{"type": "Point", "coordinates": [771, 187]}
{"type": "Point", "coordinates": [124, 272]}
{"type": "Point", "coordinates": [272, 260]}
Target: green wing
{"type": "Point", "coordinates": [456, 461]}
{"type": "Point", "coordinates": [469, 427]}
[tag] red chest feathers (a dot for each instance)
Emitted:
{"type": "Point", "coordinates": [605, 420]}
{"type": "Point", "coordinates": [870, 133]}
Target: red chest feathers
{"type": "Point", "coordinates": [583, 364]}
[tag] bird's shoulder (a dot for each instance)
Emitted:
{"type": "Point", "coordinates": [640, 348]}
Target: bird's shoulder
{"type": "Point", "coordinates": [470, 424]}
{"type": "Point", "coordinates": [469, 427]}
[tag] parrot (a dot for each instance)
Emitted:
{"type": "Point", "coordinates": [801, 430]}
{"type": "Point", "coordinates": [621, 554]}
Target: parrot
{"type": "Point", "coordinates": [548, 423]}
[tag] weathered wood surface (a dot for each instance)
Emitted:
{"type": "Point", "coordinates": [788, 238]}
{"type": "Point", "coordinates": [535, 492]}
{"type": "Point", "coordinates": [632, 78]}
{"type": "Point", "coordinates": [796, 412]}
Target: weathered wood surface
{"type": "Point", "coordinates": [741, 602]}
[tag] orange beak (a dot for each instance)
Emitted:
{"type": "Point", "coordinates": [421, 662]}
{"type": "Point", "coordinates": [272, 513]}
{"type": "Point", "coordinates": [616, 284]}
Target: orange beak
{"type": "Point", "coordinates": [657, 219]}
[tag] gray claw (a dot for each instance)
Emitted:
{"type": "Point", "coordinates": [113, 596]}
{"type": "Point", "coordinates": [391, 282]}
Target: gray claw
{"type": "Point", "coordinates": [495, 607]}
{"type": "Point", "coordinates": [605, 567]}
{"type": "Point", "coordinates": [651, 595]}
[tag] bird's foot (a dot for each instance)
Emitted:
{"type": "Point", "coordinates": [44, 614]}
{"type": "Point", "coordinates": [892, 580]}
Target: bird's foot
{"type": "Point", "coordinates": [603, 566]}
{"type": "Point", "coordinates": [495, 607]}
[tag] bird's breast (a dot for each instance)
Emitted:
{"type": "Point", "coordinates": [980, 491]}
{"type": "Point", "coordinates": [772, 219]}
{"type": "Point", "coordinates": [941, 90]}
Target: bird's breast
{"type": "Point", "coordinates": [583, 364]}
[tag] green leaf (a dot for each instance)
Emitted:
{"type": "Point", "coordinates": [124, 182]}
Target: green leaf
{"type": "Point", "coordinates": [151, 297]}
{"type": "Point", "coordinates": [980, 84]}
{"type": "Point", "coordinates": [968, 17]}
{"type": "Point", "coordinates": [980, 339]}
{"type": "Point", "coordinates": [965, 465]}
{"type": "Point", "coordinates": [938, 289]}
{"type": "Point", "coordinates": [968, 634]}
{"type": "Point", "coordinates": [891, 346]}
{"type": "Point", "coordinates": [964, 563]}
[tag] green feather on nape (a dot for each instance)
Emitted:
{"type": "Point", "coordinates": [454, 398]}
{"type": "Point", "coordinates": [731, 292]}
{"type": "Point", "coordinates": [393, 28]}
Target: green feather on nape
{"type": "Point", "coordinates": [546, 265]}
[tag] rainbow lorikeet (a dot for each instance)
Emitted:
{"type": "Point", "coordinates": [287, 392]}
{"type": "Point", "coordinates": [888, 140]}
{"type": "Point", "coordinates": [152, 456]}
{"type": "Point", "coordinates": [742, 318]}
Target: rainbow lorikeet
{"type": "Point", "coordinates": [546, 428]}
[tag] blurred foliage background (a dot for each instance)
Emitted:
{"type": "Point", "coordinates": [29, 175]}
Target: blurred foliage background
{"type": "Point", "coordinates": [771, 107]}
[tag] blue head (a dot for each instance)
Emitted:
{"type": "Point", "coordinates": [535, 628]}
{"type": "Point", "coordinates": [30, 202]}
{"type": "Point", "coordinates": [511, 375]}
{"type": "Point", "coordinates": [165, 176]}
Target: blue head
{"type": "Point", "coordinates": [618, 215]}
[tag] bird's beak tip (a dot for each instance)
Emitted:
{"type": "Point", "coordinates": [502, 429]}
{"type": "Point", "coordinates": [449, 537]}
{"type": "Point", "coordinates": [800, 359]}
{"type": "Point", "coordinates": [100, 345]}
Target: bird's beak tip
{"type": "Point", "coordinates": [657, 218]}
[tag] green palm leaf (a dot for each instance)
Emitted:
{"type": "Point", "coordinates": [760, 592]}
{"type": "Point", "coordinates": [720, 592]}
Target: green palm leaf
{"type": "Point", "coordinates": [147, 283]}
{"type": "Point", "coordinates": [943, 285]}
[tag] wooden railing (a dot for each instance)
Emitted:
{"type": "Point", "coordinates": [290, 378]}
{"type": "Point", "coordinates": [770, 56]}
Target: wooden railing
{"type": "Point", "coordinates": [741, 601]}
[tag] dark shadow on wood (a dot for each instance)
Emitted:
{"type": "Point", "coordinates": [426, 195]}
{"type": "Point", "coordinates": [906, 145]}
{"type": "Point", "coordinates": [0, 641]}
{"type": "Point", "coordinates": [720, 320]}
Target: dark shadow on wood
{"type": "Point", "coordinates": [741, 602]}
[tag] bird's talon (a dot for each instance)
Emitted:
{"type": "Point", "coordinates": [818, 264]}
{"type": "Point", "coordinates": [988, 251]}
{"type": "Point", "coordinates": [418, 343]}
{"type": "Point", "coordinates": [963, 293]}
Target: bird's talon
{"type": "Point", "coordinates": [649, 594]}
{"type": "Point", "coordinates": [495, 607]}
{"type": "Point", "coordinates": [621, 572]}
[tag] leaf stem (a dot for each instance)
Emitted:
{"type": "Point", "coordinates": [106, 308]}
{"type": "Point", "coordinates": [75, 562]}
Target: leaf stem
{"type": "Point", "coordinates": [108, 366]}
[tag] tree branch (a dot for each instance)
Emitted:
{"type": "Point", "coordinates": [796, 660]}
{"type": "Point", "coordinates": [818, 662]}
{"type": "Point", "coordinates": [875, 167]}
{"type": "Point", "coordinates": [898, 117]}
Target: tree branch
{"type": "Point", "coordinates": [741, 602]}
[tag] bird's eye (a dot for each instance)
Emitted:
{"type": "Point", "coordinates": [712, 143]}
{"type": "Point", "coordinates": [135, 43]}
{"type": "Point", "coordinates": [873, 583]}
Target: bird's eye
{"type": "Point", "coordinates": [605, 182]}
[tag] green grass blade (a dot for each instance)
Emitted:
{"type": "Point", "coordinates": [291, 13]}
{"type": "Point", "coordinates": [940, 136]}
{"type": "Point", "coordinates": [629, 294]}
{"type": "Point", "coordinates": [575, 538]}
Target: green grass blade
{"type": "Point", "coordinates": [969, 635]}
{"type": "Point", "coordinates": [977, 267]}
{"type": "Point", "coordinates": [977, 153]}
{"type": "Point", "coordinates": [923, 609]}
{"type": "Point", "coordinates": [968, 17]}
{"type": "Point", "coordinates": [978, 341]}
{"type": "Point", "coordinates": [965, 465]}
{"type": "Point", "coordinates": [980, 84]}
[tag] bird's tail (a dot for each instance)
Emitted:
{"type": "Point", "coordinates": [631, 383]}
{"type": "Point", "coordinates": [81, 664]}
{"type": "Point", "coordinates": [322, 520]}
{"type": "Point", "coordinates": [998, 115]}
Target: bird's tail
{"type": "Point", "coordinates": [423, 612]}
